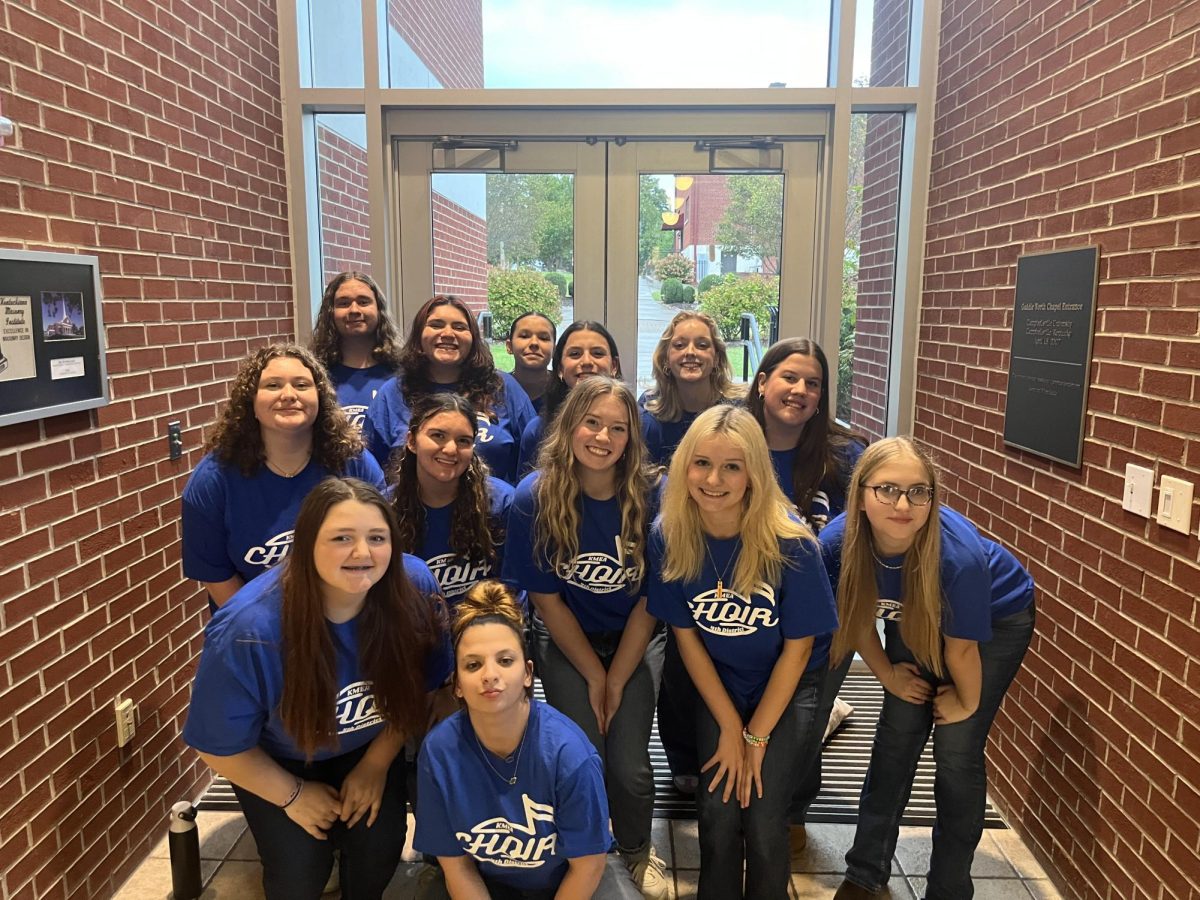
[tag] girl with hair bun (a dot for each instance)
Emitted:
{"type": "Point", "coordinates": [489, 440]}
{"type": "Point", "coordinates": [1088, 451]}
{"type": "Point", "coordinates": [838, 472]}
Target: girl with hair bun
{"type": "Point", "coordinates": [577, 543]}
{"type": "Point", "coordinates": [958, 615]}
{"type": "Point", "coordinates": [452, 513]}
{"type": "Point", "coordinates": [741, 583]}
{"type": "Point", "coordinates": [530, 341]}
{"type": "Point", "coordinates": [512, 792]}
{"type": "Point", "coordinates": [311, 679]}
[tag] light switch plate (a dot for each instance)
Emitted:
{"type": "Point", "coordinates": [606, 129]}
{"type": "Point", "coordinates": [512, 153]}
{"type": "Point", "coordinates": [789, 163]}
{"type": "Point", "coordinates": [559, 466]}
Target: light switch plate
{"type": "Point", "coordinates": [1139, 487]}
{"type": "Point", "coordinates": [1175, 504]}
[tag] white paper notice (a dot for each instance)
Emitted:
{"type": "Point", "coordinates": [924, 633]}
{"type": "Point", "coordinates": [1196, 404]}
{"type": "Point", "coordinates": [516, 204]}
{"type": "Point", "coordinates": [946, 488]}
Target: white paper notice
{"type": "Point", "coordinates": [71, 367]}
{"type": "Point", "coordinates": [16, 339]}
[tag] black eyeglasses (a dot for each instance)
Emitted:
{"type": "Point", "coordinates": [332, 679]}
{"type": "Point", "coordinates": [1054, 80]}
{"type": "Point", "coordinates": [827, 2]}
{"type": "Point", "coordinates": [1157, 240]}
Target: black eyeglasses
{"type": "Point", "coordinates": [918, 494]}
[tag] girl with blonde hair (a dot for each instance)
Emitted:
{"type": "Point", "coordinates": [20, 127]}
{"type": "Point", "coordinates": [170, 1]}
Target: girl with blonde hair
{"type": "Point", "coordinates": [741, 583]}
{"type": "Point", "coordinates": [958, 616]}
{"type": "Point", "coordinates": [512, 792]}
{"type": "Point", "coordinates": [577, 543]}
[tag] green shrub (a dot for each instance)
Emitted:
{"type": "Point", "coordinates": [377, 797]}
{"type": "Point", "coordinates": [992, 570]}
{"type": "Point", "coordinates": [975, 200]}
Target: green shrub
{"type": "Point", "coordinates": [559, 280]}
{"type": "Point", "coordinates": [708, 281]}
{"type": "Point", "coordinates": [688, 294]}
{"type": "Point", "coordinates": [672, 290]}
{"type": "Point", "coordinates": [514, 292]}
{"type": "Point", "coordinates": [675, 266]}
{"type": "Point", "coordinates": [727, 300]}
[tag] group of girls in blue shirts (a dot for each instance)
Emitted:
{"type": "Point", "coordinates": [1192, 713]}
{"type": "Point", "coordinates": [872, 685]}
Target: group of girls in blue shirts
{"type": "Point", "coordinates": [695, 540]}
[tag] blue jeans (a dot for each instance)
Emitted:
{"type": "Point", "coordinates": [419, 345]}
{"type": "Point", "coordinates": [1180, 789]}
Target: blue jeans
{"type": "Point", "coordinates": [757, 835]}
{"type": "Point", "coordinates": [297, 865]}
{"type": "Point", "coordinates": [809, 783]}
{"type": "Point", "coordinates": [615, 884]}
{"type": "Point", "coordinates": [625, 750]}
{"type": "Point", "coordinates": [960, 777]}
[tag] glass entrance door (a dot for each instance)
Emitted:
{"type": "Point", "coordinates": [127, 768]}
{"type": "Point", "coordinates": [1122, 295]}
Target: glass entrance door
{"type": "Point", "coordinates": [634, 217]}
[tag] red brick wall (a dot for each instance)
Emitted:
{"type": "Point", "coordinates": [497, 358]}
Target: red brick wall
{"type": "Point", "coordinates": [877, 247]}
{"type": "Point", "coordinates": [459, 253]}
{"type": "Point", "coordinates": [148, 134]}
{"type": "Point", "coordinates": [447, 36]}
{"type": "Point", "coordinates": [1060, 125]}
{"type": "Point", "coordinates": [345, 219]}
{"type": "Point", "coordinates": [706, 201]}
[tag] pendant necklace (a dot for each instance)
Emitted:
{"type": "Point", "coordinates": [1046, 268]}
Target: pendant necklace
{"type": "Point", "coordinates": [886, 565]}
{"type": "Point", "coordinates": [508, 759]}
{"type": "Point", "coordinates": [725, 571]}
{"type": "Point", "coordinates": [292, 474]}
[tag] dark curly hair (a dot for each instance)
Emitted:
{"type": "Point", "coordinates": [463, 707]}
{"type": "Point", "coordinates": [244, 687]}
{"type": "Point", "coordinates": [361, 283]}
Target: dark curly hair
{"type": "Point", "coordinates": [326, 343]}
{"type": "Point", "coordinates": [474, 534]}
{"type": "Point", "coordinates": [479, 381]}
{"type": "Point", "coordinates": [236, 439]}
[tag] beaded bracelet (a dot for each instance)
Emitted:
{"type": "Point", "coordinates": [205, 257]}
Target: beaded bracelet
{"type": "Point", "coordinates": [295, 793]}
{"type": "Point", "coordinates": [754, 740]}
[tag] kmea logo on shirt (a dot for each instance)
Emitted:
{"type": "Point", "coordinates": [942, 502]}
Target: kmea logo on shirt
{"type": "Point", "coordinates": [888, 610]}
{"type": "Point", "coordinates": [272, 551]}
{"type": "Point", "coordinates": [499, 841]}
{"type": "Point", "coordinates": [600, 573]}
{"type": "Point", "coordinates": [732, 614]}
{"type": "Point", "coordinates": [356, 412]}
{"type": "Point", "coordinates": [482, 435]}
{"type": "Point", "coordinates": [455, 575]}
{"type": "Point", "coordinates": [355, 708]}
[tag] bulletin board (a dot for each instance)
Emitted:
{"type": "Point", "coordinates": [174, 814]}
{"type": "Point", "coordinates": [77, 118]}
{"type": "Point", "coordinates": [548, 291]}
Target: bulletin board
{"type": "Point", "coordinates": [1049, 367]}
{"type": "Point", "coordinates": [51, 335]}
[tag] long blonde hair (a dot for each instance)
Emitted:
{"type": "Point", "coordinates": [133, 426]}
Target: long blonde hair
{"type": "Point", "coordinates": [556, 531]}
{"type": "Point", "coordinates": [765, 515]}
{"type": "Point", "coordinates": [921, 622]}
{"type": "Point", "coordinates": [664, 403]}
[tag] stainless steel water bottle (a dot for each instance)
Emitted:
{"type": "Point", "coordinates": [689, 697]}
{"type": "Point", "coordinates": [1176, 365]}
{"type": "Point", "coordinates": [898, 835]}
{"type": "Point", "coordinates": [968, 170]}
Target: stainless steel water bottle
{"type": "Point", "coordinates": [184, 842]}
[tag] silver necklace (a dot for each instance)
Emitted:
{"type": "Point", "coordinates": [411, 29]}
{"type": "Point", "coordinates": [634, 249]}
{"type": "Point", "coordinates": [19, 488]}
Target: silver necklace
{"type": "Point", "coordinates": [725, 571]}
{"type": "Point", "coordinates": [278, 470]}
{"type": "Point", "coordinates": [885, 565]}
{"type": "Point", "coordinates": [485, 753]}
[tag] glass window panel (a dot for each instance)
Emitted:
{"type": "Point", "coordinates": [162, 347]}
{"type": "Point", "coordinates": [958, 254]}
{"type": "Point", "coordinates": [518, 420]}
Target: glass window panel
{"type": "Point", "coordinates": [607, 44]}
{"type": "Point", "coordinates": [505, 243]}
{"type": "Point", "coordinates": [881, 43]}
{"type": "Point", "coordinates": [330, 43]}
{"type": "Point", "coordinates": [869, 271]}
{"type": "Point", "coordinates": [341, 141]}
{"type": "Point", "coordinates": [711, 243]}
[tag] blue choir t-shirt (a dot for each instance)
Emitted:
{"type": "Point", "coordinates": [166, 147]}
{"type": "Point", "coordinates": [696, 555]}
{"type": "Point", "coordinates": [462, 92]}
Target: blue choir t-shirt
{"type": "Point", "coordinates": [600, 585]}
{"type": "Point", "coordinates": [663, 437]}
{"type": "Point", "coordinates": [531, 443]}
{"type": "Point", "coordinates": [385, 425]}
{"type": "Point", "coordinates": [522, 834]}
{"type": "Point", "coordinates": [981, 581]}
{"type": "Point", "coordinates": [744, 635]}
{"type": "Point", "coordinates": [239, 525]}
{"type": "Point", "coordinates": [455, 574]}
{"type": "Point", "coordinates": [356, 388]}
{"type": "Point", "coordinates": [239, 682]}
{"type": "Point", "coordinates": [830, 498]}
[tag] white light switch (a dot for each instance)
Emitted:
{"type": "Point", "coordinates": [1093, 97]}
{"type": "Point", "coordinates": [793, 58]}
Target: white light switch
{"type": "Point", "coordinates": [1139, 485]}
{"type": "Point", "coordinates": [1175, 504]}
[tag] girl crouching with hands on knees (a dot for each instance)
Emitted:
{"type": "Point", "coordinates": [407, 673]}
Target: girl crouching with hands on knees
{"type": "Point", "coordinates": [311, 678]}
{"type": "Point", "coordinates": [512, 792]}
{"type": "Point", "coordinates": [742, 584]}
{"type": "Point", "coordinates": [958, 615]}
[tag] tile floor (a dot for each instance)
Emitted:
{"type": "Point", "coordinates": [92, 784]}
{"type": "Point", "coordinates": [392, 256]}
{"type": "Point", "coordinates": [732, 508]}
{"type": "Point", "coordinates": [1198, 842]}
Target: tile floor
{"type": "Point", "coordinates": [1004, 869]}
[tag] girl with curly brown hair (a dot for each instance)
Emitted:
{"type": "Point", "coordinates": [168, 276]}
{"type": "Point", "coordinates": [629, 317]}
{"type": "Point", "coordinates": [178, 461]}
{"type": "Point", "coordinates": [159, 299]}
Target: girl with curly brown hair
{"type": "Point", "coordinates": [281, 432]}
{"type": "Point", "coordinates": [445, 352]}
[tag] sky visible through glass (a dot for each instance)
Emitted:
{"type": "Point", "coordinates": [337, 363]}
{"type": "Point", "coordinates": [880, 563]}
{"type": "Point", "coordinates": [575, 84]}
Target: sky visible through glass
{"type": "Point", "coordinates": [670, 44]}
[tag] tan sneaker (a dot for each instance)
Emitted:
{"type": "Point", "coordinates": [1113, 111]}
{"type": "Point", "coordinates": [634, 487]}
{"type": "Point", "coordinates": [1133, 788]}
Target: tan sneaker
{"type": "Point", "coordinates": [650, 876]}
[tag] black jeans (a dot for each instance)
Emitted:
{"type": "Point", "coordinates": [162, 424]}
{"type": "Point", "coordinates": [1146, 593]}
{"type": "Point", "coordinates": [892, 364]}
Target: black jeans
{"type": "Point", "coordinates": [296, 865]}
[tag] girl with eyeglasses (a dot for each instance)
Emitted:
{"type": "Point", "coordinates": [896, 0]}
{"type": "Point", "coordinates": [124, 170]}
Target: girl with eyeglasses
{"type": "Point", "coordinates": [958, 615]}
